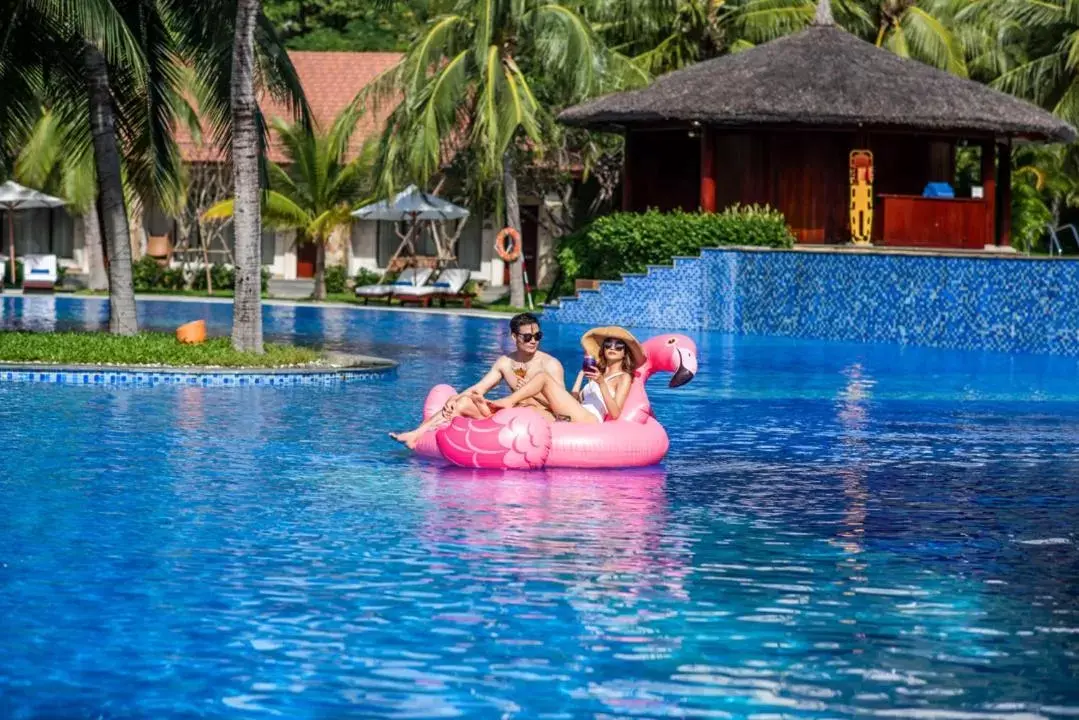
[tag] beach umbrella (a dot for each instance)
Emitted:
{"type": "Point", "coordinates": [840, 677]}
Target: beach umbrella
{"type": "Point", "coordinates": [14, 196]}
{"type": "Point", "coordinates": [413, 205]}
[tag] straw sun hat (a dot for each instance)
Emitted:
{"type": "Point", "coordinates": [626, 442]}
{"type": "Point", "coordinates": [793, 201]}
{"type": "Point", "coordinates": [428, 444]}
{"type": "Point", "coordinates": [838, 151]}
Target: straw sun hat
{"type": "Point", "coordinates": [593, 339]}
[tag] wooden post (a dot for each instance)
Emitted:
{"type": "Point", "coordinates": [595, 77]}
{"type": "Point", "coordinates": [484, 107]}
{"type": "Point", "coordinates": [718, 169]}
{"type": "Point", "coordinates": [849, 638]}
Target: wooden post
{"type": "Point", "coordinates": [1005, 237]}
{"type": "Point", "coordinates": [627, 176]}
{"type": "Point", "coordinates": [708, 170]}
{"type": "Point", "coordinates": [989, 189]}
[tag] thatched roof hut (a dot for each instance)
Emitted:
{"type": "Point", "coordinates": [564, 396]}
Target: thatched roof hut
{"type": "Point", "coordinates": [752, 111]}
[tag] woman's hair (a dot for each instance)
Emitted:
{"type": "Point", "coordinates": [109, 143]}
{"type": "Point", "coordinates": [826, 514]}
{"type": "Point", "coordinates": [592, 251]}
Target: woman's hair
{"type": "Point", "coordinates": [628, 365]}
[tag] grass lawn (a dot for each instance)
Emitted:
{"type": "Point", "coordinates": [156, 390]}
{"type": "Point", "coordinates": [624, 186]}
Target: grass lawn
{"type": "Point", "coordinates": [148, 348]}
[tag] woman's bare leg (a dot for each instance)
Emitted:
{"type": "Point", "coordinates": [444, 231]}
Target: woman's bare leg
{"type": "Point", "coordinates": [558, 398]}
{"type": "Point", "coordinates": [467, 406]}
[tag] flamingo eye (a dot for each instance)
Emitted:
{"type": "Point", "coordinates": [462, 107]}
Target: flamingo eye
{"type": "Point", "coordinates": [672, 341]}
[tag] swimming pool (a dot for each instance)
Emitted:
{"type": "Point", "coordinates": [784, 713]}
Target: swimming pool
{"type": "Point", "coordinates": [839, 530]}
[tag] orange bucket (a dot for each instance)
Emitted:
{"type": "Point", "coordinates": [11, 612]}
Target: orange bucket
{"type": "Point", "coordinates": [192, 332]}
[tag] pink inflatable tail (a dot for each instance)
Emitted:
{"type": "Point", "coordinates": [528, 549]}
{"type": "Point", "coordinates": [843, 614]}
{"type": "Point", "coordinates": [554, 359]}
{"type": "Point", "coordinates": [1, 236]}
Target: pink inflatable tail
{"type": "Point", "coordinates": [518, 439]}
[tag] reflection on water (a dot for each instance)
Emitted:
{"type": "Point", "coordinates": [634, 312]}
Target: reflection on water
{"type": "Point", "coordinates": [839, 531]}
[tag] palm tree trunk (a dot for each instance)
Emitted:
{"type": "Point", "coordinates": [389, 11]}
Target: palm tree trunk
{"type": "Point", "coordinates": [122, 317]}
{"type": "Point", "coordinates": [320, 270]}
{"type": "Point", "coordinates": [880, 33]}
{"type": "Point", "coordinates": [247, 304]}
{"type": "Point", "coordinates": [513, 220]}
{"type": "Point", "coordinates": [94, 249]}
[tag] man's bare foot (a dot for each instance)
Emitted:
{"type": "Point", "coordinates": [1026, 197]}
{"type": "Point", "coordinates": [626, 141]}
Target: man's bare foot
{"type": "Point", "coordinates": [408, 439]}
{"type": "Point", "coordinates": [480, 403]}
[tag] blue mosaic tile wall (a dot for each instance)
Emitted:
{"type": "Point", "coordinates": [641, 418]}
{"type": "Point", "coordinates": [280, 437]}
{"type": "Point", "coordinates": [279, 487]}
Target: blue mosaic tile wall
{"type": "Point", "coordinates": [972, 303]}
{"type": "Point", "coordinates": [164, 377]}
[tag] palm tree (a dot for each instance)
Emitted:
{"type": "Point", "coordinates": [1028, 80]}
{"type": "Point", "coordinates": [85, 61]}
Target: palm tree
{"type": "Point", "coordinates": [56, 53]}
{"type": "Point", "coordinates": [123, 66]}
{"type": "Point", "coordinates": [922, 31]}
{"type": "Point", "coordinates": [1050, 77]}
{"type": "Point", "coordinates": [247, 303]}
{"type": "Point", "coordinates": [470, 84]}
{"type": "Point", "coordinates": [316, 191]}
{"type": "Point", "coordinates": [51, 161]}
{"type": "Point", "coordinates": [665, 35]}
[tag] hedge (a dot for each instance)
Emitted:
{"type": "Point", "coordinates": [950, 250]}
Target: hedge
{"type": "Point", "coordinates": [147, 274]}
{"type": "Point", "coordinates": [630, 242]}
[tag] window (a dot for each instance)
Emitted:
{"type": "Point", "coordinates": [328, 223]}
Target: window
{"type": "Point", "coordinates": [387, 242]}
{"type": "Point", "coordinates": [269, 240]}
{"type": "Point", "coordinates": [470, 244]}
{"type": "Point", "coordinates": [40, 232]}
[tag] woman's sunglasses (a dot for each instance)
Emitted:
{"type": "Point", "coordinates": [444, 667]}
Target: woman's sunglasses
{"type": "Point", "coordinates": [613, 344]}
{"type": "Point", "coordinates": [527, 337]}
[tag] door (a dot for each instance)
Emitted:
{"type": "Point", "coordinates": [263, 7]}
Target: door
{"type": "Point", "coordinates": [305, 260]}
{"type": "Point", "coordinates": [529, 242]}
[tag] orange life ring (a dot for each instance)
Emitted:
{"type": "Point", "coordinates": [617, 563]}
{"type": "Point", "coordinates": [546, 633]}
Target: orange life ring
{"type": "Point", "coordinates": [500, 244]}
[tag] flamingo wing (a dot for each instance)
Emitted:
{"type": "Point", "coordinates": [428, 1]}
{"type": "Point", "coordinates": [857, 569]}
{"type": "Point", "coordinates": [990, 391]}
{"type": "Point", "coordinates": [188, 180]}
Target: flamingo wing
{"type": "Point", "coordinates": [518, 438]}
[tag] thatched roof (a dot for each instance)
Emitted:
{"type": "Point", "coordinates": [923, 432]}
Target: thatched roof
{"type": "Point", "coordinates": [821, 77]}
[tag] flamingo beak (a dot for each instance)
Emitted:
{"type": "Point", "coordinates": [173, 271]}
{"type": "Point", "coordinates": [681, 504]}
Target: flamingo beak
{"type": "Point", "coordinates": [687, 368]}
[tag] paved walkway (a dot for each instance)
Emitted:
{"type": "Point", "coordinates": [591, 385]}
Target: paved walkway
{"type": "Point", "coordinates": [461, 312]}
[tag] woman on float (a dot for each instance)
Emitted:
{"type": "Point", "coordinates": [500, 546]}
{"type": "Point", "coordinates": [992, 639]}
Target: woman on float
{"type": "Point", "coordinates": [617, 354]}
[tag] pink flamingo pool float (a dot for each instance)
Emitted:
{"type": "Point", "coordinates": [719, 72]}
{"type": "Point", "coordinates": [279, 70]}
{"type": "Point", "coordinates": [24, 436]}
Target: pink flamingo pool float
{"type": "Point", "coordinates": [522, 439]}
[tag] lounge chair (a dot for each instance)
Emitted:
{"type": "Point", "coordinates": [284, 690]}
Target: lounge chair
{"type": "Point", "coordinates": [450, 284]}
{"type": "Point", "coordinates": [39, 273]}
{"type": "Point", "coordinates": [409, 278]}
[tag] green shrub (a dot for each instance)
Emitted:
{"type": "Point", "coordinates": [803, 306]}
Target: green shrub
{"type": "Point", "coordinates": [336, 278]}
{"type": "Point", "coordinates": [18, 273]}
{"type": "Point", "coordinates": [146, 274]}
{"type": "Point", "coordinates": [366, 277]}
{"type": "Point", "coordinates": [173, 279]}
{"type": "Point", "coordinates": [630, 242]}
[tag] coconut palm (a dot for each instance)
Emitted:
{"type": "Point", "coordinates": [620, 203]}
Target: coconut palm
{"type": "Point", "coordinates": [121, 69]}
{"type": "Point", "coordinates": [470, 83]}
{"type": "Point", "coordinates": [49, 52]}
{"type": "Point", "coordinates": [1050, 77]}
{"type": "Point", "coordinates": [318, 187]}
{"type": "Point", "coordinates": [50, 161]}
{"type": "Point", "coordinates": [701, 29]}
{"type": "Point", "coordinates": [920, 30]}
{"type": "Point", "coordinates": [247, 303]}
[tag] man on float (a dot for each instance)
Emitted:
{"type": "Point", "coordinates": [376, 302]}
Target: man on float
{"type": "Point", "coordinates": [515, 369]}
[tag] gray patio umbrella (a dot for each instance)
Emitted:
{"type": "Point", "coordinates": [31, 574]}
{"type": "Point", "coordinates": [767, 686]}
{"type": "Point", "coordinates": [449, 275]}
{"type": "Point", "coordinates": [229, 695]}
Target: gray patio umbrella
{"type": "Point", "coordinates": [414, 205]}
{"type": "Point", "coordinates": [14, 196]}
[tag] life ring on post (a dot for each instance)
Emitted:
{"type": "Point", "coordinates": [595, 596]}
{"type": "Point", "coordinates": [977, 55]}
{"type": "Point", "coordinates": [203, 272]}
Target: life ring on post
{"type": "Point", "coordinates": [511, 254]}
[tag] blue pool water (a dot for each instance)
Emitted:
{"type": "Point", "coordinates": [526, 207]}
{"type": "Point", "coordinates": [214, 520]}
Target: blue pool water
{"type": "Point", "coordinates": [839, 531]}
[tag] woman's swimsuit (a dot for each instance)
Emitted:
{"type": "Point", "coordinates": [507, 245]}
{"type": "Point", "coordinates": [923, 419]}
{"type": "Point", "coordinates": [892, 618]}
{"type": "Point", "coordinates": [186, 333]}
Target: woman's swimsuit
{"type": "Point", "coordinates": [592, 397]}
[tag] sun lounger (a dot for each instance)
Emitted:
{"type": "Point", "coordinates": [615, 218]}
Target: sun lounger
{"type": "Point", "coordinates": [452, 284]}
{"type": "Point", "coordinates": [409, 278]}
{"type": "Point", "coordinates": [39, 273]}
{"type": "Point", "coordinates": [449, 286]}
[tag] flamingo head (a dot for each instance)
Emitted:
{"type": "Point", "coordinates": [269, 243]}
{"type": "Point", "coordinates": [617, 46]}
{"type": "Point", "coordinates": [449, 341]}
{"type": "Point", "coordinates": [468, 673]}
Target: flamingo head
{"type": "Point", "coordinates": [676, 354]}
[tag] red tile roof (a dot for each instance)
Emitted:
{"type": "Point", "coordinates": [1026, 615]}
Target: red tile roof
{"type": "Point", "coordinates": [330, 80]}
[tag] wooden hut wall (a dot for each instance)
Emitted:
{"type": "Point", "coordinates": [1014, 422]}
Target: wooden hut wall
{"type": "Point", "coordinates": [663, 171]}
{"type": "Point", "coordinates": [805, 174]}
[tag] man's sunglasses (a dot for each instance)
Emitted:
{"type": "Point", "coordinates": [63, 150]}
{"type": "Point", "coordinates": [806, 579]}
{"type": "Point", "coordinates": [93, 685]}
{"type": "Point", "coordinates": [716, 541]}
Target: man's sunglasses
{"type": "Point", "coordinates": [527, 337]}
{"type": "Point", "coordinates": [612, 343]}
